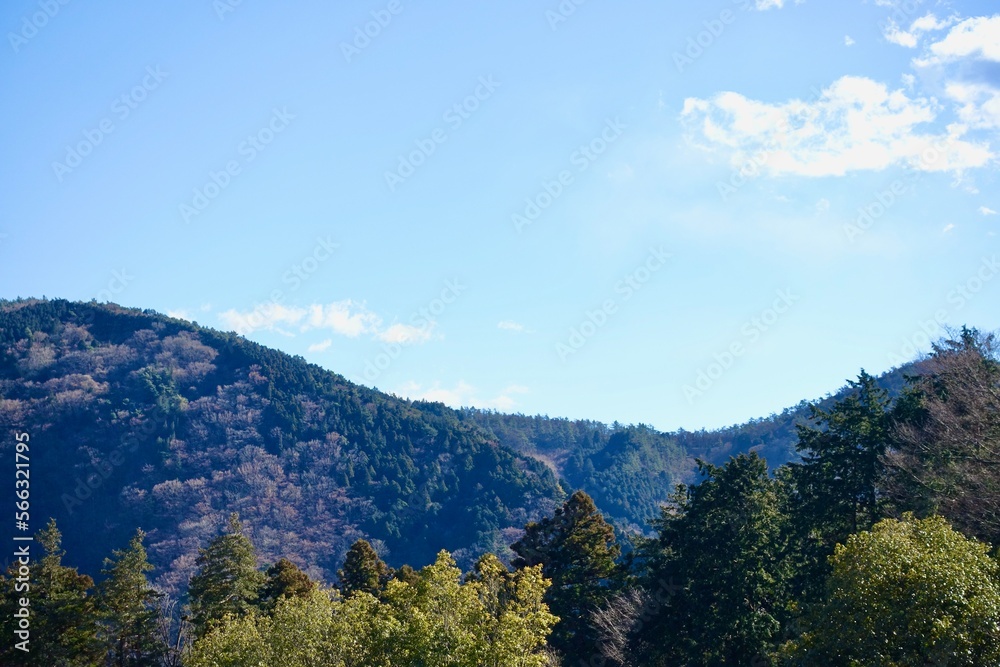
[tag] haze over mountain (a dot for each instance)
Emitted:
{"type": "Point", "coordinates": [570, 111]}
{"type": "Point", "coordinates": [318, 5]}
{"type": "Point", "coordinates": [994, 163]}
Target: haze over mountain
{"type": "Point", "coordinates": [139, 419]}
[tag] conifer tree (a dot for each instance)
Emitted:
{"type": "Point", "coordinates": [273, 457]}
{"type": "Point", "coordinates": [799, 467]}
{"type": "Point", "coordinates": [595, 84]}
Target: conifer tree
{"type": "Point", "coordinates": [578, 552]}
{"type": "Point", "coordinates": [284, 580]}
{"type": "Point", "coordinates": [227, 581]}
{"type": "Point", "coordinates": [363, 571]}
{"type": "Point", "coordinates": [129, 610]}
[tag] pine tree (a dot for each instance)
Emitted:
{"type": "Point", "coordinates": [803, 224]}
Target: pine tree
{"type": "Point", "coordinates": [717, 562]}
{"type": "Point", "coordinates": [363, 571]}
{"type": "Point", "coordinates": [577, 550]}
{"type": "Point", "coordinates": [284, 580]}
{"type": "Point", "coordinates": [63, 629]}
{"type": "Point", "coordinates": [227, 581]}
{"type": "Point", "coordinates": [838, 489]}
{"type": "Point", "coordinates": [128, 608]}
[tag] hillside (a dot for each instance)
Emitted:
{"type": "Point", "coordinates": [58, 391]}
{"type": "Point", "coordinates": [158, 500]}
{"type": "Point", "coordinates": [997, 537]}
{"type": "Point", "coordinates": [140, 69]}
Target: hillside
{"type": "Point", "coordinates": [631, 470]}
{"type": "Point", "coordinates": [139, 419]}
{"type": "Point", "coordinates": [173, 426]}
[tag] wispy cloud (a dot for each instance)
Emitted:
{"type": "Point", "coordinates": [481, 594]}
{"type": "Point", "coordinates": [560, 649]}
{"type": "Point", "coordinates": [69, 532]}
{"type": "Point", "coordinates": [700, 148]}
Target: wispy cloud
{"type": "Point", "coordinates": [950, 227]}
{"type": "Point", "coordinates": [345, 318]}
{"type": "Point", "coordinates": [322, 346]}
{"type": "Point", "coordinates": [855, 124]}
{"type": "Point", "coordinates": [910, 37]}
{"type": "Point", "coordinates": [986, 210]}
{"type": "Point", "coordinates": [848, 40]}
{"type": "Point", "coordinates": [511, 325]}
{"type": "Point", "coordinates": [462, 394]}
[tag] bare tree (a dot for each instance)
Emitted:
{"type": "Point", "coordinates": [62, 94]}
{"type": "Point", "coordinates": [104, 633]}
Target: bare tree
{"type": "Point", "coordinates": [947, 458]}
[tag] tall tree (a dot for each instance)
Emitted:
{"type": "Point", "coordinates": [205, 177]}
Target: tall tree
{"type": "Point", "coordinates": [947, 455]}
{"type": "Point", "coordinates": [839, 487]}
{"type": "Point", "coordinates": [719, 554]}
{"type": "Point", "coordinates": [129, 608]}
{"type": "Point", "coordinates": [578, 551]}
{"type": "Point", "coordinates": [363, 571]}
{"type": "Point", "coordinates": [63, 625]}
{"type": "Point", "coordinates": [227, 581]}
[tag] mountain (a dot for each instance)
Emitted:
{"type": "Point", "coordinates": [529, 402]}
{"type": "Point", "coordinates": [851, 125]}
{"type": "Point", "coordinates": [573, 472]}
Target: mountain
{"type": "Point", "coordinates": [137, 419]}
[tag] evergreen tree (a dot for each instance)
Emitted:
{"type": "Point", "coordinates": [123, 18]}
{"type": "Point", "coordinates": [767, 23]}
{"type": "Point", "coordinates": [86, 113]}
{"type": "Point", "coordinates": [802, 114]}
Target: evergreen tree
{"type": "Point", "coordinates": [578, 552]}
{"type": "Point", "coordinates": [227, 581]}
{"type": "Point", "coordinates": [363, 571]}
{"type": "Point", "coordinates": [839, 487]}
{"type": "Point", "coordinates": [284, 580]}
{"type": "Point", "coordinates": [718, 556]}
{"type": "Point", "coordinates": [128, 608]}
{"type": "Point", "coordinates": [63, 625]}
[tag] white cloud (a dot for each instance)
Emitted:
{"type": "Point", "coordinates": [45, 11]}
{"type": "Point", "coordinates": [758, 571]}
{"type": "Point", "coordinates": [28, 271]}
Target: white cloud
{"type": "Point", "coordinates": [321, 347]}
{"type": "Point", "coordinates": [345, 318]}
{"type": "Point", "coordinates": [268, 316]}
{"type": "Point", "coordinates": [855, 124]}
{"type": "Point", "coordinates": [179, 314]}
{"type": "Point", "coordinates": [980, 104]}
{"type": "Point", "coordinates": [764, 5]}
{"type": "Point", "coordinates": [986, 210]}
{"type": "Point", "coordinates": [462, 395]}
{"type": "Point", "coordinates": [405, 334]}
{"type": "Point", "coordinates": [909, 38]}
{"type": "Point", "coordinates": [948, 228]}
{"type": "Point", "coordinates": [822, 206]}
{"type": "Point", "coordinates": [977, 38]}
{"type": "Point", "coordinates": [848, 40]}
{"type": "Point", "coordinates": [511, 325]}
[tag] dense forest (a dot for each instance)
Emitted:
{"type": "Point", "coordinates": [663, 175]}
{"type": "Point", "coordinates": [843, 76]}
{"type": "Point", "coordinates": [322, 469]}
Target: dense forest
{"type": "Point", "coordinates": [266, 512]}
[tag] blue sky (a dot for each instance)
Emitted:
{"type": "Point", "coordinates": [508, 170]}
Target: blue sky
{"type": "Point", "coordinates": [686, 215]}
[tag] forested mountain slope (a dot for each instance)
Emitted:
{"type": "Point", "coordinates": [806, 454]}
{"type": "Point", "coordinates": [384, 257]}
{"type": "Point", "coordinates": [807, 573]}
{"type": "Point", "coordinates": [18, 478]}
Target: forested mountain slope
{"type": "Point", "coordinates": [137, 419]}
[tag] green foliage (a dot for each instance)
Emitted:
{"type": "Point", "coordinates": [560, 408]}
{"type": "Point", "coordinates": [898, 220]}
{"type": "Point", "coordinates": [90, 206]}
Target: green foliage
{"type": "Point", "coordinates": [284, 579]}
{"type": "Point", "coordinates": [63, 620]}
{"type": "Point", "coordinates": [228, 581]}
{"type": "Point", "coordinates": [720, 546]}
{"type": "Point", "coordinates": [577, 550]}
{"type": "Point", "coordinates": [839, 487]}
{"type": "Point", "coordinates": [910, 592]}
{"type": "Point", "coordinates": [127, 608]}
{"type": "Point", "coordinates": [496, 619]}
{"type": "Point", "coordinates": [363, 571]}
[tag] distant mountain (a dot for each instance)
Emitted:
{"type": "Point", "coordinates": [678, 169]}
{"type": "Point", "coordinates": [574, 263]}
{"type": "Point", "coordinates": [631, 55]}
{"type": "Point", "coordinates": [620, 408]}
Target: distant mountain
{"type": "Point", "coordinates": [141, 420]}
{"type": "Point", "coordinates": [631, 470]}
{"type": "Point", "coordinates": [137, 419]}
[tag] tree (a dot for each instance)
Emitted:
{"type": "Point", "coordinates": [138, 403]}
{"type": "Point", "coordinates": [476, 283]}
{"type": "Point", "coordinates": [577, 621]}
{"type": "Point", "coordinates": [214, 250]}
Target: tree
{"type": "Point", "coordinates": [719, 554]}
{"type": "Point", "coordinates": [839, 487]}
{"type": "Point", "coordinates": [227, 581]}
{"type": "Point", "coordinates": [947, 456]}
{"type": "Point", "coordinates": [578, 552]}
{"type": "Point", "coordinates": [63, 630]}
{"type": "Point", "coordinates": [284, 580]}
{"type": "Point", "coordinates": [363, 571]}
{"type": "Point", "coordinates": [910, 592]}
{"type": "Point", "coordinates": [128, 608]}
